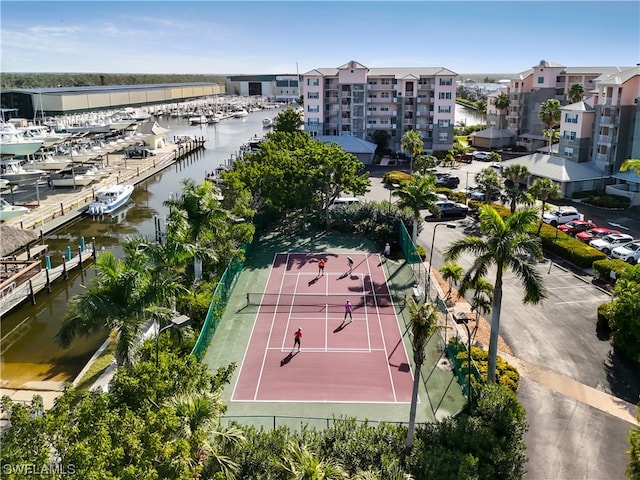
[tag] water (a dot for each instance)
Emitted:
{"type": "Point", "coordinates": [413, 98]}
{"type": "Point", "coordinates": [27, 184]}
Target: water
{"type": "Point", "coordinates": [468, 116]}
{"type": "Point", "coordinates": [30, 353]}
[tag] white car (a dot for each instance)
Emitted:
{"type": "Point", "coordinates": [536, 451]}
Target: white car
{"type": "Point", "coordinates": [629, 252]}
{"type": "Point", "coordinates": [561, 216]}
{"type": "Point", "coordinates": [483, 156]}
{"type": "Point", "coordinates": [611, 241]}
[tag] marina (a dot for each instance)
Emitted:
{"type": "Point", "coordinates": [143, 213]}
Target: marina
{"type": "Point", "coordinates": [32, 361]}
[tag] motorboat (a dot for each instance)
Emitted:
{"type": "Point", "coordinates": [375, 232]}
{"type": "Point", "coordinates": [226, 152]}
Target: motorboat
{"type": "Point", "coordinates": [239, 113]}
{"type": "Point", "coordinates": [198, 120]}
{"type": "Point", "coordinates": [3, 183]}
{"type": "Point", "coordinates": [42, 132]}
{"type": "Point", "coordinates": [213, 119]}
{"type": "Point", "coordinates": [8, 210]}
{"type": "Point", "coordinates": [109, 199]}
{"type": "Point", "coordinates": [49, 162]}
{"type": "Point", "coordinates": [74, 177]}
{"type": "Point", "coordinates": [13, 171]}
{"type": "Point", "coordinates": [267, 122]}
{"type": "Point", "coordinates": [13, 143]}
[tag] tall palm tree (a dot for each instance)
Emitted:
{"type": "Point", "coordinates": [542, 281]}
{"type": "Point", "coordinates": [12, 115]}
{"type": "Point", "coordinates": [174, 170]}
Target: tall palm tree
{"type": "Point", "coordinates": [544, 189]}
{"type": "Point", "coordinates": [418, 193]}
{"type": "Point", "coordinates": [631, 164]}
{"type": "Point", "coordinates": [412, 144]}
{"type": "Point", "coordinates": [575, 92]}
{"type": "Point", "coordinates": [116, 299]}
{"type": "Point", "coordinates": [504, 245]}
{"type": "Point", "coordinates": [299, 463]}
{"type": "Point", "coordinates": [481, 107]}
{"type": "Point", "coordinates": [489, 181]}
{"type": "Point", "coordinates": [451, 273]}
{"type": "Point", "coordinates": [423, 322]}
{"type": "Point", "coordinates": [550, 115]}
{"type": "Point", "coordinates": [514, 175]}
{"type": "Point", "coordinates": [501, 102]}
{"type": "Point", "coordinates": [482, 296]}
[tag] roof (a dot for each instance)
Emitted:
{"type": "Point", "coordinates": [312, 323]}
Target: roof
{"type": "Point", "coordinates": [578, 107]}
{"type": "Point", "coordinates": [618, 77]}
{"type": "Point", "coordinates": [628, 176]}
{"type": "Point", "coordinates": [492, 132]}
{"type": "Point", "coordinates": [153, 128]}
{"type": "Point", "coordinates": [558, 169]}
{"type": "Point", "coordinates": [13, 239]}
{"type": "Point", "coordinates": [111, 88]}
{"type": "Point", "coordinates": [349, 143]}
{"type": "Point", "coordinates": [396, 72]}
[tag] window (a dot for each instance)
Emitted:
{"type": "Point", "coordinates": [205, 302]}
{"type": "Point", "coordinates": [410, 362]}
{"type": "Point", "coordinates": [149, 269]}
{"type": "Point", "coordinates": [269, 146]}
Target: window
{"type": "Point", "coordinates": [372, 82]}
{"type": "Point", "coordinates": [313, 82]}
{"type": "Point", "coordinates": [446, 81]}
{"type": "Point", "coordinates": [372, 121]}
{"type": "Point", "coordinates": [568, 152]}
{"type": "Point", "coordinates": [313, 108]}
{"type": "Point", "coordinates": [571, 117]}
{"type": "Point", "coordinates": [443, 136]}
{"type": "Point", "coordinates": [444, 95]}
{"type": "Point", "coordinates": [567, 135]}
{"type": "Point", "coordinates": [540, 80]}
{"type": "Point", "coordinates": [313, 95]}
{"type": "Point", "coordinates": [444, 109]}
{"type": "Point", "coordinates": [384, 121]}
{"type": "Point", "coordinates": [384, 95]}
{"type": "Point", "coordinates": [313, 121]}
{"type": "Point", "coordinates": [372, 109]}
{"type": "Point", "coordinates": [443, 123]}
{"type": "Point", "coordinates": [384, 108]}
{"type": "Point", "coordinates": [385, 81]}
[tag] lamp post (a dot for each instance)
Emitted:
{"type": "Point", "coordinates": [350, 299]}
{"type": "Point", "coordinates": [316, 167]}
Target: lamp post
{"type": "Point", "coordinates": [176, 322]}
{"type": "Point", "coordinates": [433, 239]}
{"type": "Point", "coordinates": [461, 318]}
{"type": "Point", "coordinates": [466, 189]}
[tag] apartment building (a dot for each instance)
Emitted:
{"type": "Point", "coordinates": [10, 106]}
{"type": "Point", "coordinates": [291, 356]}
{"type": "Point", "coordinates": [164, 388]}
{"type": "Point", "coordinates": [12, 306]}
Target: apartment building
{"type": "Point", "coordinates": [353, 99]}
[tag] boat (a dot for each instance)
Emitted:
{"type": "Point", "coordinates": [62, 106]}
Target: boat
{"type": "Point", "coordinates": [198, 120]}
{"type": "Point", "coordinates": [49, 162]}
{"type": "Point", "coordinates": [13, 143]}
{"type": "Point", "coordinates": [109, 199]}
{"type": "Point", "coordinates": [267, 122]}
{"type": "Point", "coordinates": [13, 171]}
{"type": "Point", "coordinates": [213, 119]}
{"type": "Point", "coordinates": [239, 113]}
{"type": "Point", "coordinates": [3, 183]}
{"type": "Point", "coordinates": [8, 210]}
{"type": "Point", "coordinates": [74, 177]}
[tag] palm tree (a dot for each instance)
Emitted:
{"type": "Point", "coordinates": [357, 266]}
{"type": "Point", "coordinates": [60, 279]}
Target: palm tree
{"type": "Point", "coordinates": [489, 181]}
{"type": "Point", "coordinates": [199, 416]}
{"type": "Point", "coordinates": [514, 175]}
{"type": "Point", "coordinates": [412, 144]}
{"type": "Point", "coordinates": [501, 102]}
{"type": "Point", "coordinates": [550, 115]}
{"type": "Point", "coordinates": [482, 296]}
{"type": "Point", "coordinates": [418, 193]}
{"type": "Point", "coordinates": [504, 245]}
{"type": "Point", "coordinates": [575, 93]}
{"type": "Point", "coordinates": [116, 299]}
{"type": "Point", "coordinates": [423, 322]}
{"type": "Point", "coordinates": [301, 464]}
{"type": "Point", "coordinates": [553, 134]}
{"type": "Point", "coordinates": [452, 273]}
{"type": "Point", "coordinates": [544, 189]}
{"type": "Point", "coordinates": [631, 164]}
{"type": "Point", "coordinates": [481, 107]}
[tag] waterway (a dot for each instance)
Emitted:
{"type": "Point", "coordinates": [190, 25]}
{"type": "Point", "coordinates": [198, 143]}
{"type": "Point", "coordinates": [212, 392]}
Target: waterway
{"type": "Point", "coordinates": [29, 351]}
{"type": "Point", "coordinates": [468, 116]}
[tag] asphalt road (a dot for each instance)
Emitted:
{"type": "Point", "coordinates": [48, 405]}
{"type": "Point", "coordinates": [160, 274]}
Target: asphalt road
{"type": "Point", "coordinates": [567, 439]}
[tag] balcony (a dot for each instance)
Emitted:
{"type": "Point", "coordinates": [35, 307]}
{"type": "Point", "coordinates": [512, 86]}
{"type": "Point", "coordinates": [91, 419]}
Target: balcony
{"type": "Point", "coordinates": [602, 157]}
{"type": "Point", "coordinates": [605, 139]}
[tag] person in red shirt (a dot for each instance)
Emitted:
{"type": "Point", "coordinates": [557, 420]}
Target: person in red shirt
{"type": "Point", "coordinates": [296, 339]}
{"type": "Point", "coordinates": [321, 264]}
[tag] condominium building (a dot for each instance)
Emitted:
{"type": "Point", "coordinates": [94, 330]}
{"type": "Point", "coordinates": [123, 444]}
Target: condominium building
{"type": "Point", "coordinates": [353, 99]}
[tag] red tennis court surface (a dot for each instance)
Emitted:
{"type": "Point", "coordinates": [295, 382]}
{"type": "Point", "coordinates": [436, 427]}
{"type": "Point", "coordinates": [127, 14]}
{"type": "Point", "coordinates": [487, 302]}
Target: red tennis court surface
{"type": "Point", "coordinates": [340, 361]}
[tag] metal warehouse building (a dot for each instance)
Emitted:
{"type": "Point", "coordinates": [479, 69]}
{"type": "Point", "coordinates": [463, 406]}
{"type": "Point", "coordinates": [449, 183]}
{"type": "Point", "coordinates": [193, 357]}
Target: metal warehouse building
{"type": "Point", "coordinates": [44, 102]}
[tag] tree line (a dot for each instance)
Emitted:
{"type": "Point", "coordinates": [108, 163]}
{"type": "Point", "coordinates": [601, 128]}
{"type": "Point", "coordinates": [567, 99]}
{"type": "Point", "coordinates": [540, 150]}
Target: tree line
{"type": "Point", "coordinates": [51, 80]}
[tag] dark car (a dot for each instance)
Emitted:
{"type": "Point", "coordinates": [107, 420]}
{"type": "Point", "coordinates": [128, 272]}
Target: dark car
{"type": "Point", "coordinates": [449, 208]}
{"type": "Point", "coordinates": [448, 181]}
{"type": "Point", "coordinates": [576, 226]}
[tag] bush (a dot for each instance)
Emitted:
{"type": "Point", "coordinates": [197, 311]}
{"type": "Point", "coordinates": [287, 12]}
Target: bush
{"type": "Point", "coordinates": [603, 268]}
{"type": "Point", "coordinates": [609, 201]}
{"type": "Point", "coordinates": [605, 314]}
{"type": "Point", "coordinates": [567, 247]}
{"type": "Point", "coordinates": [396, 177]}
{"type": "Point", "coordinates": [421, 252]}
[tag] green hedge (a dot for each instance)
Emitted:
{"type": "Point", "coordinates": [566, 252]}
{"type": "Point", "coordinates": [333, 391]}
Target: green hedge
{"type": "Point", "coordinates": [396, 177]}
{"type": "Point", "coordinates": [605, 314]}
{"type": "Point", "coordinates": [603, 268]}
{"type": "Point", "coordinates": [567, 247]}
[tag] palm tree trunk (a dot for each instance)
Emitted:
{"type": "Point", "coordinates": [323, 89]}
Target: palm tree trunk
{"type": "Point", "coordinates": [414, 235]}
{"type": "Point", "coordinates": [414, 406]}
{"type": "Point", "coordinates": [495, 326]}
{"type": "Point", "coordinates": [540, 226]}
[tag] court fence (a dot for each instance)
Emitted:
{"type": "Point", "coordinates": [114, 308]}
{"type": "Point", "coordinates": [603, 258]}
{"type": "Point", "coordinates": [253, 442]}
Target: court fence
{"type": "Point", "coordinates": [218, 304]}
{"type": "Point", "coordinates": [300, 422]}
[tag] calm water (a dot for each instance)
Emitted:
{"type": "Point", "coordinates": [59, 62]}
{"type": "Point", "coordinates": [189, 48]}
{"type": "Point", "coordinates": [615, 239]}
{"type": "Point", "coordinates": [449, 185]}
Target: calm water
{"type": "Point", "coordinates": [468, 116]}
{"type": "Point", "coordinates": [28, 349]}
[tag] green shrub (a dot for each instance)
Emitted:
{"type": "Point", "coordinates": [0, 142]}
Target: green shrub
{"type": "Point", "coordinates": [605, 314]}
{"type": "Point", "coordinates": [567, 247]}
{"type": "Point", "coordinates": [396, 177]}
{"type": "Point", "coordinates": [421, 252]}
{"type": "Point", "coordinates": [603, 268]}
{"type": "Point", "coordinates": [609, 201]}
{"type": "Point", "coordinates": [587, 194]}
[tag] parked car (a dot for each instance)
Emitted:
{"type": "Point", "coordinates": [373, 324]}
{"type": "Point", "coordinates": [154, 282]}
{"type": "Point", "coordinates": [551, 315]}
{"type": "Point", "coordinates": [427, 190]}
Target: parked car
{"type": "Point", "coordinates": [481, 195]}
{"type": "Point", "coordinates": [629, 252]}
{"type": "Point", "coordinates": [561, 215]}
{"type": "Point", "coordinates": [482, 156]}
{"type": "Point", "coordinates": [344, 202]}
{"type": "Point", "coordinates": [611, 241]}
{"type": "Point", "coordinates": [464, 157]}
{"type": "Point", "coordinates": [576, 226]}
{"type": "Point", "coordinates": [448, 181]}
{"type": "Point", "coordinates": [450, 208]}
{"type": "Point", "coordinates": [599, 232]}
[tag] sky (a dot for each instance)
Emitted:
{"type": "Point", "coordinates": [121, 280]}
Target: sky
{"type": "Point", "coordinates": [269, 37]}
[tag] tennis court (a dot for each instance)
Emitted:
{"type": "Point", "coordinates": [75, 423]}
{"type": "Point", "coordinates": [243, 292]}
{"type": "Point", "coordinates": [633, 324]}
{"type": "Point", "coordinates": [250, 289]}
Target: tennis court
{"type": "Point", "coordinates": [362, 360]}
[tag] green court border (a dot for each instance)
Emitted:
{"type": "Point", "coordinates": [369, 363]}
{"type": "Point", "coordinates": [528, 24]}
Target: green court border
{"type": "Point", "coordinates": [444, 397]}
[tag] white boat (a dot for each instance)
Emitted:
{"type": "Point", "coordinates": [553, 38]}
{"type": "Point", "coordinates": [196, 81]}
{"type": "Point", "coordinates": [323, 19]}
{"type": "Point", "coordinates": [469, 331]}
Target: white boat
{"type": "Point", "coordinates": [267, 122]}
{"type": "Point", "coordinates": [13, 143]}
{"type": "Point", "coordinates": [16, 174]}
{"type": "Point", "coordinates": [43, 133]}
{"type": "Point", "coordinates": [48, 162]}
{"type": "Point", "coordinates": [239, 113]}
{"type": "Point", "coordinates": [71, 178]}
{"type": "Point", "coordinates": [109, 199]}
{"type": "Point", "coordinates": [8, 211]}
{"type": "Point", "coordinates": [198, 120]}
{"type": "Point", "coordinates": [213, 119]}
{"type": "Point", "coordinates": [3, 183]}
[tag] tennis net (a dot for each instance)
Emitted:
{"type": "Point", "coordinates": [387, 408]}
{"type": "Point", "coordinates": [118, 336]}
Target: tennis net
{"type": "Point", "coordinates": [312, 299]}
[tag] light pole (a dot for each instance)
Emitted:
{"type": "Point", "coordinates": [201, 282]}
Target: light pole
{"type": "Point", "coordinates": [176, 322]}
{"type": "Point", "coordinates": [466, 189]}
{"type": "Point", "coordinates": [433, 239]}
{"type": "Point", "coordinates": [461, 318]}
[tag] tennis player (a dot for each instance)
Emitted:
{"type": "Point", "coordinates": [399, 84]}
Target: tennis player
{"type": "Point", "coordinates": [296, 339]}
{"type": "Point", "coordinates": [348, 310]}
{"type": "Point", "coordinates": [321, 264]}
{"type": "Point", "coordinates": [350, 260]}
